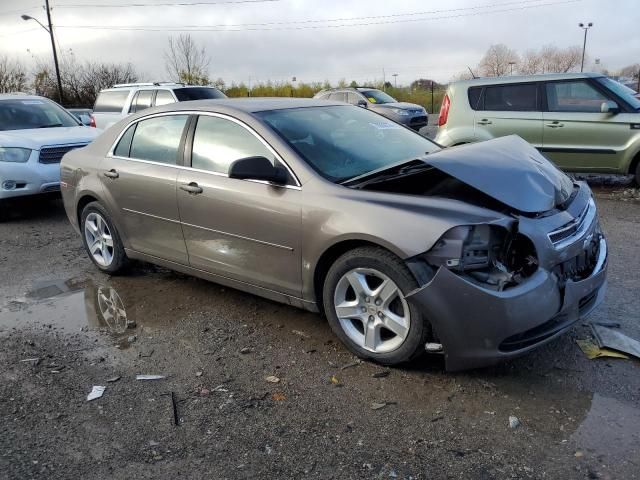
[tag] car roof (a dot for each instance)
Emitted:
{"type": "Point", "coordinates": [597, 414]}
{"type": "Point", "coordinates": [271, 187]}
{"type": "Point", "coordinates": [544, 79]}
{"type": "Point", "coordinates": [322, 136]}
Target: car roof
{"type": "Point", "coordinates": [247, 105]}
{"type": "Point", "coordinates": [20, 96]}
{"type": "Point", "coordinates": [525, 78]}
{"type": "Point", "coordinates": [155, 85]}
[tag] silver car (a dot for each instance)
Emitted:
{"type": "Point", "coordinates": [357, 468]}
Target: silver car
{"type": "Point", "coordinates": [478, 253]}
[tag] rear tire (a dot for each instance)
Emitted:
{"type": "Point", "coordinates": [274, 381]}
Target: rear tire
{"type": "Point", "coordinates": [364, 301]}
{"type": "Point", "coordinates": [636, 177]}
{"type": "Point", "coordinates": [101, 240]}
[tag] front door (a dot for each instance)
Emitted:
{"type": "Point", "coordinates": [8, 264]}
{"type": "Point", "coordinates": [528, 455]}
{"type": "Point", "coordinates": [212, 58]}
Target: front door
{"type": "Point", "coordinates": [577, 136]}
{"type": "Point", "coordinates": [241, 229]}
{"type": "Point", "coordinates": [510, 109]}
{"type": "Point", "coordinates": [139, 180]}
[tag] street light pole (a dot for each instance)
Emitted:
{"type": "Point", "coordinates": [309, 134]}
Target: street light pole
{"type": "Point", "coordinates": [53, 46]}
{"type": "Point", "coordinates": [511, 64]}
{"type": "Point", "coordinates": [395, 80]}
{"type": "Point", "coordinates": [584, 44]}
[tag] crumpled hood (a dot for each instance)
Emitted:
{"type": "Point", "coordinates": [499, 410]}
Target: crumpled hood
{"type": "Point", "coordinates": [401, 105]}
{"type": "Point", "coordinates": [508, 169]}
{"type": "Point", "coordinates": [35, 138]}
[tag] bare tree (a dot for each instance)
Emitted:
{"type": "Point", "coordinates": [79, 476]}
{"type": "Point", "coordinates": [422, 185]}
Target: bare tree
{"type": "Point", "coordinates": [81, 83]}
{"type": "Point", "coordinates": [631, 71]}
{"type": "Point", "coordinates": [550, 59]}
{"type": "Point", "coordinates": [13, 75]}
{"type": "Point", "coordinates": [497, 61]}
{"type": "Point", "coordinates": [186, 62]}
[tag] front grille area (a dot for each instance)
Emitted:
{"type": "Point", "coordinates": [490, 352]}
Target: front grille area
{"type": "Point", "coordinates": [54, 154]}
{"type": "Point", "coordinates": [418, 120]}
{"type": "Point", "coordinates": [575, 226]}
{"type": "Point", "coordinates": [581, 266]}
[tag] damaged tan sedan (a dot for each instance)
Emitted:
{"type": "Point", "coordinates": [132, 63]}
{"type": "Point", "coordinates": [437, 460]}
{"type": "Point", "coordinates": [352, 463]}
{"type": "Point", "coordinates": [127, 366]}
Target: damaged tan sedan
{"type": "Point", "coordinates": [479, 253]}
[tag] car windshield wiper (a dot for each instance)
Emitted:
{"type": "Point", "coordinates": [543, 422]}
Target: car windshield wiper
{"type": "Point", "coordinates": [394, 171]}
{"type": "Point", "coordinates": [50, 125]}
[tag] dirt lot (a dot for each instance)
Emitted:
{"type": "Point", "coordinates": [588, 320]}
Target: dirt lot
{"type": "Point", "coordinates": [64, 328]}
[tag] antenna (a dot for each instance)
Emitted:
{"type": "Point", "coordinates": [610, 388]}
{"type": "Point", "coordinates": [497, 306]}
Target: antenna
{"type": "Point", "coordinates": [471, 71]}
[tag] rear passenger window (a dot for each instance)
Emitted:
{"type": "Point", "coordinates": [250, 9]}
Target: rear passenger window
{"type": "Point", "coordinates": [516, 97]}
{"type": "Point", "coordinates": [354, 98]}
{"type": "Point", "coordinates": [474, 97]}
{"type": "Point", "coordinates": [164, 97]}
{"type": "Point", "coordinates": [218, 142]}
{"type": "Point", "coordinates": [158, 139]}
{"type": "Point", "coordinates": [573, 97]}
{"type": "Point", "coordinates": [111, 101]}
{"type": "Point", "coordinates": [124, 145]}
{"type": "Point", "coordinates": [338, 97]}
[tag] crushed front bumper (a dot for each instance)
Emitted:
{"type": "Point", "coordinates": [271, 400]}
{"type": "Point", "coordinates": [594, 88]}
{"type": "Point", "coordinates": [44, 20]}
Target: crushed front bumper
{"type": "Point", "coordinates": [479, 327]}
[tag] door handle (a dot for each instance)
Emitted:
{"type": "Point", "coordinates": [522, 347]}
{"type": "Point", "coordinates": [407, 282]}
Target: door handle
{"type": "Point", "coordinates": [484, 121]}
{"type": "Point", "coordinates": [554, 124]}
{"type": "Point", "coordinates": [192, 188]}
{"type": "Point", "coordinates": [112, 173]}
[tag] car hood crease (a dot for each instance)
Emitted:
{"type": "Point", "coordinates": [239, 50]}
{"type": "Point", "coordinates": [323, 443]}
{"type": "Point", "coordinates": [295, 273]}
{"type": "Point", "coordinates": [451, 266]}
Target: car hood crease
{"type": "Point", "coordinates": [507, 169]}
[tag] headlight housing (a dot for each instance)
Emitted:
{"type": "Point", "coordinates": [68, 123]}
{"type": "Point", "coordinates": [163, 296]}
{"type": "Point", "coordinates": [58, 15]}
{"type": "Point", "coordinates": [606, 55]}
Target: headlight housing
{"type": "Point", "coordinates": [487, 254]}
{"type": "Point", "coordinates": [14, 154]}
{"type": "Point", "coordinates": [401, 112]}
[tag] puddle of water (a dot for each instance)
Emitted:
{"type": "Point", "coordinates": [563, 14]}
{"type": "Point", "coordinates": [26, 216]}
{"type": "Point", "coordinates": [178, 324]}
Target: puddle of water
{"type": "Point", "coordinates": [610, 431]}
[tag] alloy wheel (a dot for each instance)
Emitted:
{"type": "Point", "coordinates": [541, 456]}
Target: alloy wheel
{"type": "Point", "coordinates": [99, 239]}
{"type": "Point", "coordinates": [372, 310]}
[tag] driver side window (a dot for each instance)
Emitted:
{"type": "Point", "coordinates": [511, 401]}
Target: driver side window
{"type": "Point", "coordinates": [218, 142]}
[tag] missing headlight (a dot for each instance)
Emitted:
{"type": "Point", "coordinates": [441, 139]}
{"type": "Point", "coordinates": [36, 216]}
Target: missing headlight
{"type": "Point", "coordinates": [486, 254]}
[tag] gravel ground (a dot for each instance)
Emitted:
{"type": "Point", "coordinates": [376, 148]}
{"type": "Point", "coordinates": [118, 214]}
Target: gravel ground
{"type": "Point", "coordinates": [327, 416]}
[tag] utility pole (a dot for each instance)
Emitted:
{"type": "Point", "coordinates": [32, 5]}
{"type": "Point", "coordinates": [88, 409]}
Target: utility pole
{"type": "Point", "coordinates": [431, 96]}
{"type": "Point", "coordinates": [584, 44]}
{"type": "Point", "coordinates": [384, 81]}
{"type": "Point", "coordinates": [395, 80]}
{"type": "Point", "coordinates": [53, 45]}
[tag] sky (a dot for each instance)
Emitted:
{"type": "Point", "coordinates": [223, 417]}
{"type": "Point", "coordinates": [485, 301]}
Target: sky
{"type": "Point", "coordinates": [316, 40]}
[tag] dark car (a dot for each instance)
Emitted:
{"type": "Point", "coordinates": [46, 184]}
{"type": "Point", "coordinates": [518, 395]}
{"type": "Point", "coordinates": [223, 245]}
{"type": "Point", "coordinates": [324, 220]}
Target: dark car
{"type": "Point", "coordinates": [409, 114]}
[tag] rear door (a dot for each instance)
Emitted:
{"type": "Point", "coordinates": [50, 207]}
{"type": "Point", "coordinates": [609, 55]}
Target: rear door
{"type": "Point", "coordinates": [139, 179]}
{"type": "Point", "coordinates": [577, 136]}
{"type": "Point", "coordinates": [240, 229]}
{"type": "Point", "coordinates": [507, 109]}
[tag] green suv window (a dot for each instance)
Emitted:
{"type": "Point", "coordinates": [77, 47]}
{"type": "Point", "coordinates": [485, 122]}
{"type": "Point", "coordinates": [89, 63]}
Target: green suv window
{"type": "Point", "coordinates": [573, 97]}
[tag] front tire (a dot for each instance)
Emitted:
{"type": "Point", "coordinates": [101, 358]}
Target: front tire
{"type": "Point", "coordinates": [101, 240]}
{"type": "Point", "coordinates": [364, 301]}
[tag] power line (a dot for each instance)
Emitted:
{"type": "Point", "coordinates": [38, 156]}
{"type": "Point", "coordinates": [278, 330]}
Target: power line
{"type": "Point", "coordinates": [166, 4]}
{"type": "Point", "coordinates": [198, 28]}
{"type": "Point", "coordinates": [351, 19]}
{"type": "Point", "coordinates": [7, 13]}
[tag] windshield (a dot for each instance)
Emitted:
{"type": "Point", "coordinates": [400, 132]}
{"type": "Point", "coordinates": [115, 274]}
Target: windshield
{"type": "Point", "coordinates": [197, 93]}
{"type": "Point", "coordinates": [343, 142]}
{"type": "Point", "coordinates": [623, 92]}
{"type": "Point", "coordinates": [376, 96]}
{"type": "Point", "coordinates": [33, 113]}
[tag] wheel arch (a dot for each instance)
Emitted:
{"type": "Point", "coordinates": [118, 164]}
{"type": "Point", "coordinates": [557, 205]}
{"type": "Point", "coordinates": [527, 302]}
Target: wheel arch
{"type": "Point", "coordinates": [330, 255]}
{"type": "Point", "coordinates": [83, 201]}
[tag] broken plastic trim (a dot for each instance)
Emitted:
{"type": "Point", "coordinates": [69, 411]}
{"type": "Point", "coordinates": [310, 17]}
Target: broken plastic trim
{"type": "Point", "coordinates": [489, 255]}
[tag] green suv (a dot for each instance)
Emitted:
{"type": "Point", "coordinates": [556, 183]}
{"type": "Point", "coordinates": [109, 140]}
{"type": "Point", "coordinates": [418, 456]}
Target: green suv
{"type": "Point", "coordinates": [584, 122]}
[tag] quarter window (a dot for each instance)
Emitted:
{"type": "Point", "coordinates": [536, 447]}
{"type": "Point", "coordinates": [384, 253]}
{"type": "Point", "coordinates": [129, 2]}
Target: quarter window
{"type": "Point", "coordinates": [218, 142]}
{"type": "Point", "coordinates": [124, 145]}
{"type": "Point", "coordinates": [516, 97]}
{"type": "Point", "coordinates": [158, 139]}
{"type": "Point", "coordinates": [573, 97]}
{"type": "Point", "coordinates": [354, 98]}
{"type": "Point", "coordinates": [111, 101]}
{"type": "Point", "coordinates": [474, 97]}
{"type": "Point", "coordinates": [338, 97]}
{"type": "Point", "coordinates": [141, 101]}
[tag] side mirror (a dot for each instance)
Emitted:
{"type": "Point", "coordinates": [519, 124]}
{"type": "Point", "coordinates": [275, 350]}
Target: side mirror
{"type": "Point", "coordinates": [257, 168]}
{"type": "Point", "coordinates": [362, 103]}
{"type": "Point", "coordinates": [609, 107]}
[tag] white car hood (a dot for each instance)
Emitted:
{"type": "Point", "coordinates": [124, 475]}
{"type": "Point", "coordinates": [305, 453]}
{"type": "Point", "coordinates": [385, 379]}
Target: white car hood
{"type": "Point", "coordinates": [40, 137]}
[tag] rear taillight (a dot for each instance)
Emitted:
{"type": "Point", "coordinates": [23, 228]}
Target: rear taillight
{"type": "Point", "coordinates": [444, 111]}
{"type": "Point", "coordinates": [92, 122]}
